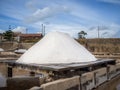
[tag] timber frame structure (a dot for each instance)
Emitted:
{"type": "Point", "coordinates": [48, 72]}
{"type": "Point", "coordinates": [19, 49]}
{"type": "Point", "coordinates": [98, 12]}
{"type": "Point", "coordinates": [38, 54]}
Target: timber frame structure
{"type": "Point", "coordinates": [57, 71]}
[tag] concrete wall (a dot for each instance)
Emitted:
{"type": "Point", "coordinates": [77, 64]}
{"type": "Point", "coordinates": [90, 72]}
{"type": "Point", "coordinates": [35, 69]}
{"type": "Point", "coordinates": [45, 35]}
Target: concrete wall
{"type": "Point", "coordinates": [110, 85]}
{"type": "Point", "coordinates": [97, 79]}
{"type": "Point", "coordinates": [63, 84]}
{"type": "Point", "coordinates": [73, 83]}
{"type": "Point", "coordinates": [111, 45]}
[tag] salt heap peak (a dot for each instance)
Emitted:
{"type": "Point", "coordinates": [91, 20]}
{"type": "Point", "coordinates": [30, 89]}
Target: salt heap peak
{"type": "Point", "coordinates": [56, 47]}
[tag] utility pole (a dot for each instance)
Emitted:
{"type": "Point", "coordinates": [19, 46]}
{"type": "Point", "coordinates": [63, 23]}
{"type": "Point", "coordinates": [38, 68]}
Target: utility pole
{"type": "Point", "coordinates": [98, 32]}
{"type": "Point", "coordinates": [26, 30]}
{"type": "Point", "coordinates": [99, 38]}
{"type": "Point", "coordinates": [43, 30]}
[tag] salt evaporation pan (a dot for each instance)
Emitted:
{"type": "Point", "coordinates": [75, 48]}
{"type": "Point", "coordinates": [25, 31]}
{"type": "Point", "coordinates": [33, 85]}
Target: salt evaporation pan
{"type": "Point", "coordinates": [56, 47]}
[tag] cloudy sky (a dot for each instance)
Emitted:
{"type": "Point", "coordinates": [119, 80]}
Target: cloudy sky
{"type": "Point", "coordinates": [70, 16]}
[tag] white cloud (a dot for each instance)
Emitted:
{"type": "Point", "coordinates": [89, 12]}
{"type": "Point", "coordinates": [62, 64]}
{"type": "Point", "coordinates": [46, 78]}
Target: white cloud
{"type": "Point", "coordinates": [104, 31]}
{"type": "Point", "coordinates": [1, 31]}
{"type": "Point", "coordinates": [72, 30]}
{"type": "Point", "coordinates": [107, 31]}
{"type": "Point", "coordinates": [31, 5]}
{"type": "Point", "coordinates": [41, 14]}
{"type": "Point", "coordinates": [88, 14]}
{"type": "Point", "coordinates": [20, 29]}
{"type": "Point", "coordinates": [85, 15]}
{"type": "Point", "coordinates": [67, 28]}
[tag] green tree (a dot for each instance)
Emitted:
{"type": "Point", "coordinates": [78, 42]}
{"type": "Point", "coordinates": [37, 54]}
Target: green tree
{"type": "Point", "coordinates": [8, 35]}
{"type": "Point", "coordinates": [82, 34]}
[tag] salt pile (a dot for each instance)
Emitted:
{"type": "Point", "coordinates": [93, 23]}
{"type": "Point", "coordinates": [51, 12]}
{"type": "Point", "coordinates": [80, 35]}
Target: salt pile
{"type": "Point", "coordinates": [56, 47]}
{"type": "Point", "coordinates": [1, 50]}
{"type": "Point", "coordinates": [20, 51]}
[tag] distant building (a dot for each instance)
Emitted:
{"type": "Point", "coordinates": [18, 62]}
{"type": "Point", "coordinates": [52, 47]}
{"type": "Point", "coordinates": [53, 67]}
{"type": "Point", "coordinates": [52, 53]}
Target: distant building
{"type": "Point", "coordinates": [16, 36]}
{"type": "Point", "coordinates": [29, 37]}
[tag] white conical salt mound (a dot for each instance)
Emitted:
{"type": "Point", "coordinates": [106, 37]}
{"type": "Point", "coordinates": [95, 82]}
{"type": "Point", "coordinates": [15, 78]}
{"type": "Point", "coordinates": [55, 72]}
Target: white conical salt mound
{"type": "Point", "coordinates": [56, 47]}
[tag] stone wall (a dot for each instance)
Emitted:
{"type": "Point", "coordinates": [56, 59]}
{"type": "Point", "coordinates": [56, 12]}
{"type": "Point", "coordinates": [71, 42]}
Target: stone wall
{"type": "Point", "coordinates": [63, 84]}
{"type": "Point", "coordinates": [111, 85]}
{"type": "Point", "coordinates": [14, 45]}
{"type": "Point", "coordinates": [96, 79]}
{"type": "Point", "coordinates": [111, 45]}
{"type": "Point", "coordinates": [22, 83]}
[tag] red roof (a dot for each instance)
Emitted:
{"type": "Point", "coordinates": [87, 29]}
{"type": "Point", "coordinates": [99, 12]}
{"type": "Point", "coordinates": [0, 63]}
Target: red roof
{"type": "Point", "coordinates": [29, 35]}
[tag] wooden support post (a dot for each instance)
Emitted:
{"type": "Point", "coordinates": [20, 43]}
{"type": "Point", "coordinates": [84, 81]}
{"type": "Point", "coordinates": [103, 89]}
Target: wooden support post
{"type": "Point", "coordinates": [80, 82]}
{"type": "Point", "coordinates": [95, 79]}
{"type": "Point", "coordinates": [10, 71]}
{"type": "Point", "coordinates": [108, 69]}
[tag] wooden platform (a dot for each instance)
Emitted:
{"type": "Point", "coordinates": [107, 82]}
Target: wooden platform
{"type": "Point", "coordinates": [87, 66]}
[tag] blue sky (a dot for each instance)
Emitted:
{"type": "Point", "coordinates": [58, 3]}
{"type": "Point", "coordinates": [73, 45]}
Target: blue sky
{"type": "Point", "coordinates": [70, 16]}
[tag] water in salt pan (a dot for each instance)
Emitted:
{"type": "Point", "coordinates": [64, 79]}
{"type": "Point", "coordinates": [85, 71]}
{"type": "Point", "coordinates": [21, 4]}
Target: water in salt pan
{"type": "Point", "coordinates": [56, 47]}
{"type": "Point", "coordinates": [2, 81]}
